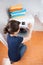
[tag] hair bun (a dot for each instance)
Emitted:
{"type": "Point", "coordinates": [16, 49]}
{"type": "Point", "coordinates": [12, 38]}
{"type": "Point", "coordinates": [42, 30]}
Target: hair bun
{"type": "Point", "coordinates": [5, 30]}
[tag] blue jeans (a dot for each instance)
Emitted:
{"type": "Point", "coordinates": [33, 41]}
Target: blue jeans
{"type": "Point", "coordinates": [22, 49]}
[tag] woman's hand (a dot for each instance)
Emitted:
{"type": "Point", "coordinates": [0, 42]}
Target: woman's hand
{"type": "Point", "coordinates": [29, 26]}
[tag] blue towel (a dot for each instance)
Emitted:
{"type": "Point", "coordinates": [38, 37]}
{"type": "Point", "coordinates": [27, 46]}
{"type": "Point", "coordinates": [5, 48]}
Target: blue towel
{"type": "Point", "coordinates": [18, 14]}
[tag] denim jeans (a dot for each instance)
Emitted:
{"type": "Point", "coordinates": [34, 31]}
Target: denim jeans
{"type": "Point", "coordinates": [22, 49]}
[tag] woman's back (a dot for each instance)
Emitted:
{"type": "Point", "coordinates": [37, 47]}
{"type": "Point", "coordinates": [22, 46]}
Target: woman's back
{"type": "Point", "coordinates": [13, 47]}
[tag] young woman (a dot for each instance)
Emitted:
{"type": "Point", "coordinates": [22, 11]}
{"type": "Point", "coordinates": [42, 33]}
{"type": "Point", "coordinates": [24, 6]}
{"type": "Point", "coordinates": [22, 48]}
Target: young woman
{"type": "Point", "coordinates": [16, 48]}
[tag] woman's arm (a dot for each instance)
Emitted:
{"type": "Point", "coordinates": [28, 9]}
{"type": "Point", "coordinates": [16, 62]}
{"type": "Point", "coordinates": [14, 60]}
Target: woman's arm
{"type": "Point", "coordinates": [29, 29]}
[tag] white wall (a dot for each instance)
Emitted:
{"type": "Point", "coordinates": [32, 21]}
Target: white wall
{"type": "Point", "coordinates": [34, 6]}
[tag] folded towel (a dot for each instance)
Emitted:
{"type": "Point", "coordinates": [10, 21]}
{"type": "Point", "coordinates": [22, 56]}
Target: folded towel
{"type": "Point", "coordinates": [15, 8]}
{"type": "Point", "coordinates": [17, 15]}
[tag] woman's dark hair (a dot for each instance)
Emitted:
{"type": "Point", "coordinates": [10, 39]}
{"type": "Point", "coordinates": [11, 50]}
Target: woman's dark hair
{"type": "Point", "coordinates": [11, 27]}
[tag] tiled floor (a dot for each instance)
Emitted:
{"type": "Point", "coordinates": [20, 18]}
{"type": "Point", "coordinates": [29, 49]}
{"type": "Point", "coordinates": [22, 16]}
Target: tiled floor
{"type": "Point", "coordinates": [34, 53]}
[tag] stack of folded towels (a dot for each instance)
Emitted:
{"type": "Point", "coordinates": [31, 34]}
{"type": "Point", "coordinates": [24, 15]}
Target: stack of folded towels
{"type": "Point", "coordinates": [16, 11]}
